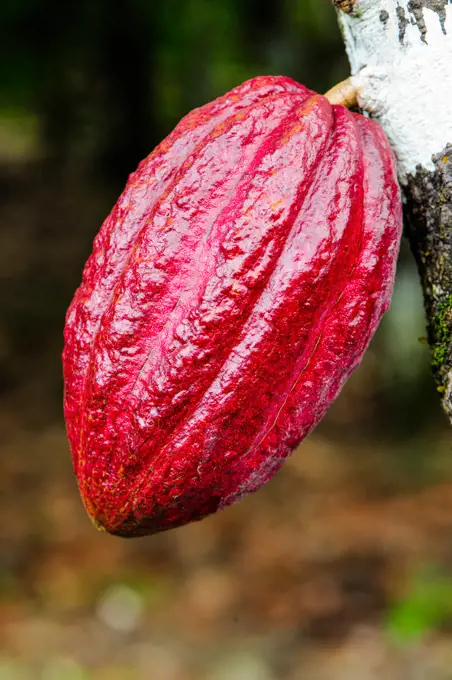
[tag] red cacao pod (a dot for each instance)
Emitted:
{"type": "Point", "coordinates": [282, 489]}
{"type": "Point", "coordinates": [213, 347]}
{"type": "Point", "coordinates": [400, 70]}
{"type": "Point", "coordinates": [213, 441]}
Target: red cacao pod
{"type": "Point", "coordinates": [231, 291]}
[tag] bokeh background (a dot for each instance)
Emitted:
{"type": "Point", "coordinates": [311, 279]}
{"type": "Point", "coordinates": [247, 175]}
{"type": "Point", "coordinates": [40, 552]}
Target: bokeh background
{"type": "Point", "coordinates": [340, 568]}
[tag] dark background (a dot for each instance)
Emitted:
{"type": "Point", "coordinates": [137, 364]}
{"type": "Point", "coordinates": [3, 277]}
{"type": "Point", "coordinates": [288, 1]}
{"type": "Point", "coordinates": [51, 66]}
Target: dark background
{"type": "Point", "coordinates": [341, 567]}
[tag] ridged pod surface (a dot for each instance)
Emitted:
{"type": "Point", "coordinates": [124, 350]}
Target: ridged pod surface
{"type": "Point", "coordinates": [230, 293]}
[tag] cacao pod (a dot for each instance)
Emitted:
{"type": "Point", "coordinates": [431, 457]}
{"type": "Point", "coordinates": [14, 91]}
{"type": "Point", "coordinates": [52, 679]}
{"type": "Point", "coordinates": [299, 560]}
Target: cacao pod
{"type": "Point", "coordinates": [230, 293]}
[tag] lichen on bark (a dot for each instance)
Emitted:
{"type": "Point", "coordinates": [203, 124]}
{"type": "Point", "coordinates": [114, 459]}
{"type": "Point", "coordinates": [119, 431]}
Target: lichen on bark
{"type": "Point", "coordinates": [428, 211]}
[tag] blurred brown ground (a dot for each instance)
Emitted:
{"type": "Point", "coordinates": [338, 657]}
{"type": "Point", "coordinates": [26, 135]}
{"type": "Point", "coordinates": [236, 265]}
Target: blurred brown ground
{"type": "Point", "coordinates": [297, 582]}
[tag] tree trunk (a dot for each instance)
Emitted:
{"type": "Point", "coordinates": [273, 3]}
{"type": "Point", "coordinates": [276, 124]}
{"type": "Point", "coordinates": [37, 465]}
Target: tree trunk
{"type": "Point", "coordinates": [400, 53]}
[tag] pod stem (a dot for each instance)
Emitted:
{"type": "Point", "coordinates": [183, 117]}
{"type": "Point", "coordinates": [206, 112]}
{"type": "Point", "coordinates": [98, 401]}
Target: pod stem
{"type": "Point", "coordinates": [344, 93]}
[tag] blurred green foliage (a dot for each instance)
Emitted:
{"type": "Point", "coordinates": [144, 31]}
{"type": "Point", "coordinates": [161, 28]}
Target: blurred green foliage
{"type": "Point", "coordinates": [111, 79]}
{"type": "Point", "coordinates": [426, 607]}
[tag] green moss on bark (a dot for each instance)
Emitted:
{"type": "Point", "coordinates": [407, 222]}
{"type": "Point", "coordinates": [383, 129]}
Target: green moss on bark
{"type": "Point", "coordinates": [429, 229]}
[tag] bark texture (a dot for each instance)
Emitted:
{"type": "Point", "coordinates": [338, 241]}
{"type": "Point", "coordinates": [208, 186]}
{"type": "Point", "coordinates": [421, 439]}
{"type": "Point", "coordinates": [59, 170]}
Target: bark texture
{"type": "Point", "coordinates": [428, 211]}
{"type": "Point", "coordinates": [401, 58]}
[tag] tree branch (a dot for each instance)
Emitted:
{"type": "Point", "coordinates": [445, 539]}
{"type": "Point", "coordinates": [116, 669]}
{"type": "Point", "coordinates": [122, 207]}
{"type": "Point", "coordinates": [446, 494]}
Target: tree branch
{"type": "Point", "coordinates": [400, 53]}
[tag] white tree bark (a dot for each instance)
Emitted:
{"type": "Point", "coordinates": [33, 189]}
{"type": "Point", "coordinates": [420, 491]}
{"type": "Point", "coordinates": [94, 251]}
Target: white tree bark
{"type": "Point", "coordinates": [400, 53]}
